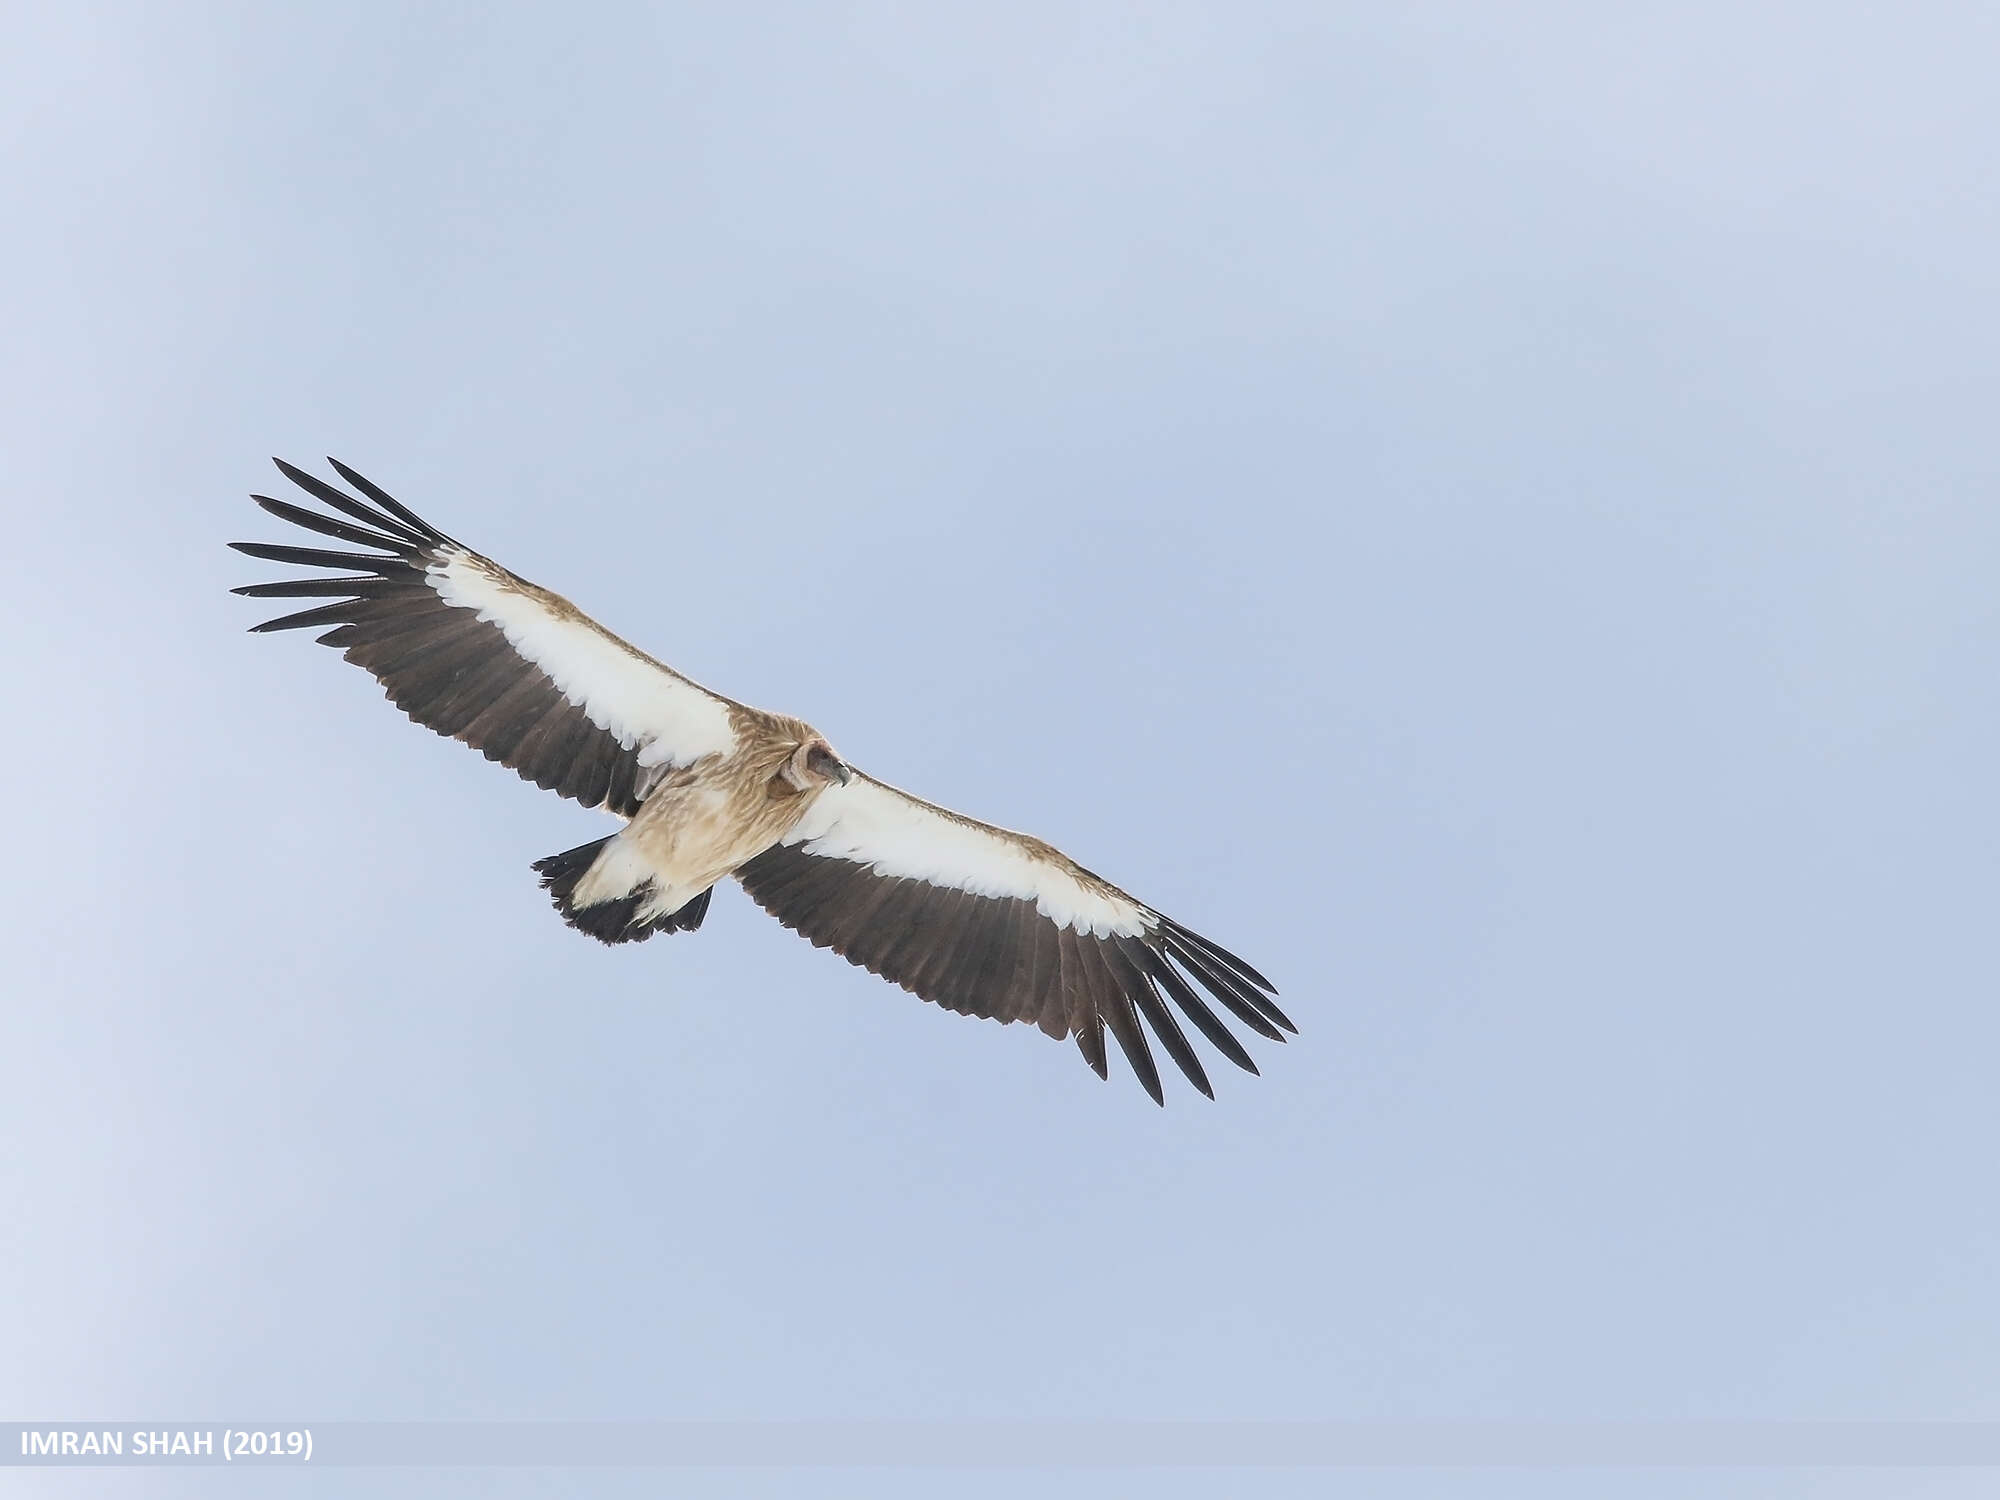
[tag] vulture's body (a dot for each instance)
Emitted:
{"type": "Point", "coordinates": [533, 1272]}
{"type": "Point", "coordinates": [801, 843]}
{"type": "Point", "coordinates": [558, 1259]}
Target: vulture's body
{"type": "Point", "coordinates": [976, 918]}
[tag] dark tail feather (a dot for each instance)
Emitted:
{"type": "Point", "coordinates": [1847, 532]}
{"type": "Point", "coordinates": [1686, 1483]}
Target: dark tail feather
{"type": "Point", "coordinates": [688, 918]}
{"type": "Point", "coordinates": [611, 921]}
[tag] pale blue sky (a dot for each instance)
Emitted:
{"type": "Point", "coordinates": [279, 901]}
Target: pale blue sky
{"type": "Point", "coordinates": [1490, 512]}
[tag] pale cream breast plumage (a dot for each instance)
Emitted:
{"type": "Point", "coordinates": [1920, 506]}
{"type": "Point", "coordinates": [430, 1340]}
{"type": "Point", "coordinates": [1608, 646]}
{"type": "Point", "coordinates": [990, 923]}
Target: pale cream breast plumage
{"type": "Point", "coordinates": [975, 918]}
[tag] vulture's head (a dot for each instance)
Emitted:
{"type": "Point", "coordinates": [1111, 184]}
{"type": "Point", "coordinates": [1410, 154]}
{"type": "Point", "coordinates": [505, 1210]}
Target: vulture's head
{"type": "Point", "coordinates": [814, 766]}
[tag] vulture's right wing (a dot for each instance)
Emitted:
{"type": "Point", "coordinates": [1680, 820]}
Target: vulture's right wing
{"type": "Point", "coordinates": [467, 648]}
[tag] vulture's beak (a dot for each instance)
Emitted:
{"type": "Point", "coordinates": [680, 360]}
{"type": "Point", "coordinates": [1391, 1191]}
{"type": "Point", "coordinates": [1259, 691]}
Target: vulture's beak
{"type": "Point", "coordinates": [821, 761]}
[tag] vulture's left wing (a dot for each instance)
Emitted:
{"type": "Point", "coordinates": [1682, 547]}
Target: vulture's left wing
{"type": "Point", "coordinates": [475, 652]}
{"type": "Point", "coordinates": [991, 923]}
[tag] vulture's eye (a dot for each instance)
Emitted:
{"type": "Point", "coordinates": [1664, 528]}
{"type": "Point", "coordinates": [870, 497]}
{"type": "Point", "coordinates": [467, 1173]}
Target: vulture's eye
{"type": "Point", "coordinates": [821, 761]}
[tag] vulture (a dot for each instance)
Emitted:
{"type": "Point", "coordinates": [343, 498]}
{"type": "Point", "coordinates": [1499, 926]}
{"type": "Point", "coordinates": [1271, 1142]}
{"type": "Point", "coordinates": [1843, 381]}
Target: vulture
{"type": "Point", "coordinates": [974, 918]}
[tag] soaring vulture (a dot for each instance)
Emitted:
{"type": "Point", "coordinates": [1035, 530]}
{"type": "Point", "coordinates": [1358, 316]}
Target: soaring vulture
{"type": "Point", "coordinates": [975, 918]}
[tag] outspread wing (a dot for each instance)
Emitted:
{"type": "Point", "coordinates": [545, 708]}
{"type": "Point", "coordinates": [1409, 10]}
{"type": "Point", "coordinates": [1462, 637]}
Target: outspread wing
{"type": "Point", "coordinates": [469, 649]}
{"type": "Point", "coordinates": [991, 923]}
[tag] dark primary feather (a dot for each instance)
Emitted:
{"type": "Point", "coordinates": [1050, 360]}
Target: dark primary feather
{"type": "Point", "coordinates": [442, 665]}
{"type": "Point", "coordinates": [1217, 951]}
{"type": "Point", "coordinates": [999, 958]}
{"type": "Point", "coordinates": [1192, 1005]}
{"type": "Point", "coordinates": [1226, 987]}
{"type": "Point", "coordinates": [307, 588]}
{"type": "Point", "coordinates": [404, 547]}
{"type": "Point", "coordinates": [416, 525]}
{"type": "Point", "coordinates": [321, 557]}
{"type": "Point", "coordinates": [1136, 983]}
{"type": "Point", "coordinates": [1121, 1017]}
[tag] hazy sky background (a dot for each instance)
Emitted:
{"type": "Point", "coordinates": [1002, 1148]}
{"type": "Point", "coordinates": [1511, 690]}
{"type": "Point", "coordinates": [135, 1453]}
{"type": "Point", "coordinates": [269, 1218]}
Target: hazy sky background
{"type": "Point", "coordinates": [1489, 511]}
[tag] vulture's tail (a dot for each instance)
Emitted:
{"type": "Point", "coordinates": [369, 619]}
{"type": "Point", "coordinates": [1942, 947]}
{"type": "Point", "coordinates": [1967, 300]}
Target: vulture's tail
{"type": "Point", "coordinates": [612, 911]}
